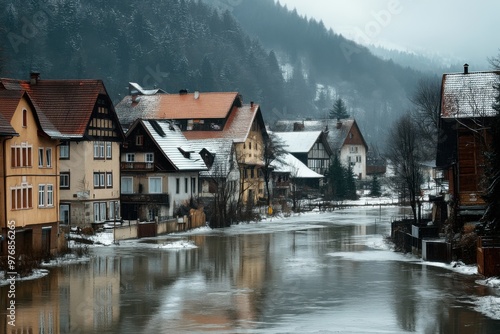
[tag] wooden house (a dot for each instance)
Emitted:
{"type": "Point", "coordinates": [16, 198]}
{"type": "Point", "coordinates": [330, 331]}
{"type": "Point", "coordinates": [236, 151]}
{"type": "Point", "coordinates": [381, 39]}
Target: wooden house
{"type": "Point", "coordinates": [88, 156]}
{"type": "Point", "coordinates": [159, 171]}
{"type": "Point", "coordinates": [212, 115]}
{"type": "Point", "coordinates": [466, 115]}
{"type": "Point", "coordinates": [29, 172]}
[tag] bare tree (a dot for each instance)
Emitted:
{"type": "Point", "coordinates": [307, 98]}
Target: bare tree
{"type": "Point", "coordinates": [273, 151]}
{"type": "Point", "coordinates": [426, 101]}
{"type": "Point", "coordinates": [404, 150]}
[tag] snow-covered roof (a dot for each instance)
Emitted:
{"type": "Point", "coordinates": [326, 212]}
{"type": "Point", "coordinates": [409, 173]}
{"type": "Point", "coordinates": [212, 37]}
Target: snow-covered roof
{"type": "Point", "coordinates": [222, 149]}
{"type": "Point", "coordinates": [133, 86]}
{"type": "Point", "coordinates": [469, 94]}
{"type": "Point", "coordinates": [172, 142]}
{"type": "Point", "coordinates": [297, 169]}
{"type": "Point", "coordinates": [299, 141]}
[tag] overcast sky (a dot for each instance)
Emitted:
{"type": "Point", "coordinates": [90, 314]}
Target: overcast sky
{"type": "Point", "coordinates": [464, 30]}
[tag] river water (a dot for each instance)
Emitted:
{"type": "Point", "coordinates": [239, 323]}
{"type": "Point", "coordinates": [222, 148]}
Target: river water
{"type": "Point", "coordinates": [314, 273]}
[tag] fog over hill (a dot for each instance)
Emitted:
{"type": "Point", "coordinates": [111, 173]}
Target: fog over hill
{"type": "Point", "coordinates": [293, 66]}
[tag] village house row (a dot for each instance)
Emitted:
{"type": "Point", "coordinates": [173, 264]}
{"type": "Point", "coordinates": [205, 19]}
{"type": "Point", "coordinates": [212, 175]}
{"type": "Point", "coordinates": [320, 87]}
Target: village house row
{"type": "Point", "coordinates": [70, 158]}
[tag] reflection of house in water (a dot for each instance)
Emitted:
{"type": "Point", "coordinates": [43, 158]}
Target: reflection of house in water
{"type": "Point", "coordinates": [90, 298]}
{"type": "Point", "coordinates": [37, 307]}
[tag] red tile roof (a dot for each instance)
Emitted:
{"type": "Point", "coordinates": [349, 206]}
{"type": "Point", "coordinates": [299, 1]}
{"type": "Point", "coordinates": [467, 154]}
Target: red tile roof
{"type": "Point", "coordinates": [68, 104]}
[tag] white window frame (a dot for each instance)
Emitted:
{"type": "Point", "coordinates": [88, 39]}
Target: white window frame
{"type": "Point", "coordinates": [41, 195]}
{"type": "Point", "coordinates": [50, 195]}
{"type": "Point", "coordinates": [128, 180]}
{"type": "Point", "coordinates": [109, 150]}
{"type": "Point", "coordinates": [48, 157]}
{"type": "Point", "coordinates": [153, 183]}
{"type": "Point", "coordinates": [41, 155]}
{"type": "Point", "coordinates": [64, 150]}
{"type": "Point", "coordinates": [129, 157]}
{"type": "Point", "coordinates": [149, 157]}
{"type": "Point", "coordinates": [109, 180]}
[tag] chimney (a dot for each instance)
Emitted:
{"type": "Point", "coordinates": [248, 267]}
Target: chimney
{"type": "Point", "coordinates": [34, 77]}
{"type": "Point", "coordinates": [251, 104]}
{"type": "Point", "coordinates": [297, 126]}
{"type": "Point", "coordinates": [183, 92]}
{"type": "Point", "coordinates": [134, 94]}
{"type": "Point", "coordinates": [196, 94]}
{"type": "Point", "coordinates": [339, 123]}
{"type": "Point", "coordinates": [466, 68]}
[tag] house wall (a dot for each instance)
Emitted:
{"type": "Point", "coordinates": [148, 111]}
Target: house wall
{"type": "Point", "coordinates": [83, 194]}
{"type": "Point", "coordinates": [181, 195]}
{"type": "Point", "coordinates": [354, 148]}
{"type": "Point", "coordinates": [30, 207]}
{"type": "Point", "coordinates": [318, 159]}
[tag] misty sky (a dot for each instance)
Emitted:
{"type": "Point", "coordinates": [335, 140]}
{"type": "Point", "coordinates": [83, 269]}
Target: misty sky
{"type": "Point", "coordinates": [465, 31]}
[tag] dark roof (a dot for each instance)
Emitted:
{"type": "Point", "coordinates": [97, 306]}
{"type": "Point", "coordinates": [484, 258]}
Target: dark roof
{"type": "Point", "coordinates": [68, 104]}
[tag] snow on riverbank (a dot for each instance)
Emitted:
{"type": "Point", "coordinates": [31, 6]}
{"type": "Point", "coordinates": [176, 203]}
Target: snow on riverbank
{"type": "Point", "coordinates": [37, 273]}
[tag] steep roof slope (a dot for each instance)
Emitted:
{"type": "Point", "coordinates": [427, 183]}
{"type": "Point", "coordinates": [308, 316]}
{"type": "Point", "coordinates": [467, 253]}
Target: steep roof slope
{"type": "Point", "coordinates": [68, 104]}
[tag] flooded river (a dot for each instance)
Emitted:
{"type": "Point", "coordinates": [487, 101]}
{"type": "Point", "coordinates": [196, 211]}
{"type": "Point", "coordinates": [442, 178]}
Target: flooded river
{"type": "Point", "coordinates": [314, 273]}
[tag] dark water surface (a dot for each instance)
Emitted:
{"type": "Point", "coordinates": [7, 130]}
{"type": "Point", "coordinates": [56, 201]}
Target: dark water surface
{"type": "Point", "coordinates": [316, 273]}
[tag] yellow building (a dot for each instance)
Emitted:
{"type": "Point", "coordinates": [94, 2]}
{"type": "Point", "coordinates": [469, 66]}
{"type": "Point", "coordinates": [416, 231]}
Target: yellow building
{"type": "Point", "coordinates": [29, 175]}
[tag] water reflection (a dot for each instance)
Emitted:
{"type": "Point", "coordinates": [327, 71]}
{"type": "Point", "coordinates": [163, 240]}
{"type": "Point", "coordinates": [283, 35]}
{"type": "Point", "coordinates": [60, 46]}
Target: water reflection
{"type": "Point", "coordinates": [293, 276]}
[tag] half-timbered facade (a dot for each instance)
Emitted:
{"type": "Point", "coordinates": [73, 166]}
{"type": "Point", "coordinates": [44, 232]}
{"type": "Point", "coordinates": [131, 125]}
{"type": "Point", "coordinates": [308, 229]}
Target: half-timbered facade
{"type": "Point", "coordinates": [88, 156]}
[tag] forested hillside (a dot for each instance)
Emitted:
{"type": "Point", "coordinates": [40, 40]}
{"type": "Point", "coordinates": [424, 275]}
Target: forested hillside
{"type": "Point", "coordinates": [292, 66]}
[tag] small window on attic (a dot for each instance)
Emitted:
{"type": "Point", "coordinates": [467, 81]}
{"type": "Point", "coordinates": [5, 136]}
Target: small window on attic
{"type": "Point", "coordinates": [139, 140]}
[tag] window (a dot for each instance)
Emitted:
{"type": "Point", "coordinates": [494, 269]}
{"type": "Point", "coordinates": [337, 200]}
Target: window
{"type": "Point", "coordinates": [358, 158]}
{"type": "Point", "coordinates": [126, 185]}
{"type": "Point", "coordinates": [21, 155]}
{"type": "Point", "coordinates": [99, 150]}
{"type": "Point", "coordinates": [25, 118]}
{"type": "Point", "coordinates": [48, 156]}
{"type": "Point", "coordinates": [113, 210]}
{"type": "Point", "coordinates": [193, 185]}
{"type": "Point", "coordinates": [186, 186]}
{"type": "Point", "coordinates": [177, 185]}
{"type": "Point", "coordinates": [64, 213]}
{"type": "Point", "coordinates": [250, 145]}
{"type": "Point", "coordinates": [155, 185]}
{"type": "Point", "coordinates": [109, 180]}
{"type": "Point", "coordinates": [22, 197]}
{"type": "Point", "coordinates": [149, 157]}
{"type": "Point", "coordinates": [41, 195]}
{"type": "Point", "coordinates": [251, 173]}
{"type": "Point", "coordinates": [130, 157]}
{"type": "Point", "coordinates": [50, 195]}
{"type": "Point", "coordinates": [64, 150]}
{"type": "Point", "coordinates": [139, 140]}
{"type": "Point", "coordinates": [99, 178]}
{"type": "Point", "coordinates": [64, 180]}
{"type": "Point", "coordinates": [40, 157]}
{"type": "Point", "coordinates": [99, 211]}
{"type": "Point", "coordinates": [109, 150]}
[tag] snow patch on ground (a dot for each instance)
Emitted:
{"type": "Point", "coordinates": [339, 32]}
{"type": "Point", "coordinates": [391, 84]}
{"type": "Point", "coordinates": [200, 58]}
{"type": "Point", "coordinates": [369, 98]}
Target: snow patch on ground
{"type": "Point", "coordinates": [179, 244]}
{"type": "Point", "coordinates": [489, 306]}
{"type": "Point", "coordinates": [64, 260]}
{"type": "Point", "coordinates": [37, 273]}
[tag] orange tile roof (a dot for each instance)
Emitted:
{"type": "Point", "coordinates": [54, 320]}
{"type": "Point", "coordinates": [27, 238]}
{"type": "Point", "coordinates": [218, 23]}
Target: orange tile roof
{"type": "Point", "coordinates": [237, 127]}
{"type": "Point", "coordinates": [177, 106]}
{"type": "Point", "coordinates": [68, 104]}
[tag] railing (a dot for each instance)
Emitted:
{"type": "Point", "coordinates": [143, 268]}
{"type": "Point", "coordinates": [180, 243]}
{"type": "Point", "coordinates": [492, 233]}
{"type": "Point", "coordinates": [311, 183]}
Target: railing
{"type": "Point", "coordinates": [136, 166]}
{"type": "Point", "coordinates": [145, 198]}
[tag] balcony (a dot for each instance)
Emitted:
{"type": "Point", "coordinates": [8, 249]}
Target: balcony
{"type": "Point", "coordinates": [136, 166]}
{"type": "Point", "coordinates": [145, 198]}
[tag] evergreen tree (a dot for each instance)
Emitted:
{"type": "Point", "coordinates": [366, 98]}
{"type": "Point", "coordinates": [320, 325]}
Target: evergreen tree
{"type": "Point", "coordinates": [375, 188]}
{"type": "Point", "coordinates": [339, 110]}
{"type": "Point", "coordinates": [350, 183]}
{"type": "Point", "coordinates": [336, 179]}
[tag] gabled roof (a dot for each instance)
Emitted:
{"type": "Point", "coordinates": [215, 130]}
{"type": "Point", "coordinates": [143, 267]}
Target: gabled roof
{"type": "Point", "coordinates": [5, 128]}
{"type": "Point", "coordinates": [469, 94]}
{"type": "Point", "coordinates": [336, 130]}
{"type": "Point", "coordinates": [68, 104]}
{"type": "Point", "coordinates": [9, 100]}
{"type": "Point", "coordinates": [216, 105]}
{"type": "Point", "coordinates": [172, 143]}
{"type": "Point", "coordinates": [297, 169]}
{"type": "Point", "coordinates": [298, 141]}
{"type": "Point", "coordinates": [221, 149]}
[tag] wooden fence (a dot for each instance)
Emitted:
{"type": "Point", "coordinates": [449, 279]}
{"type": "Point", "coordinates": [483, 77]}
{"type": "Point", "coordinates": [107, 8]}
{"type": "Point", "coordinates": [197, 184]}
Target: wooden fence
{"type": "Point", "coordinates": [488, 256]}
